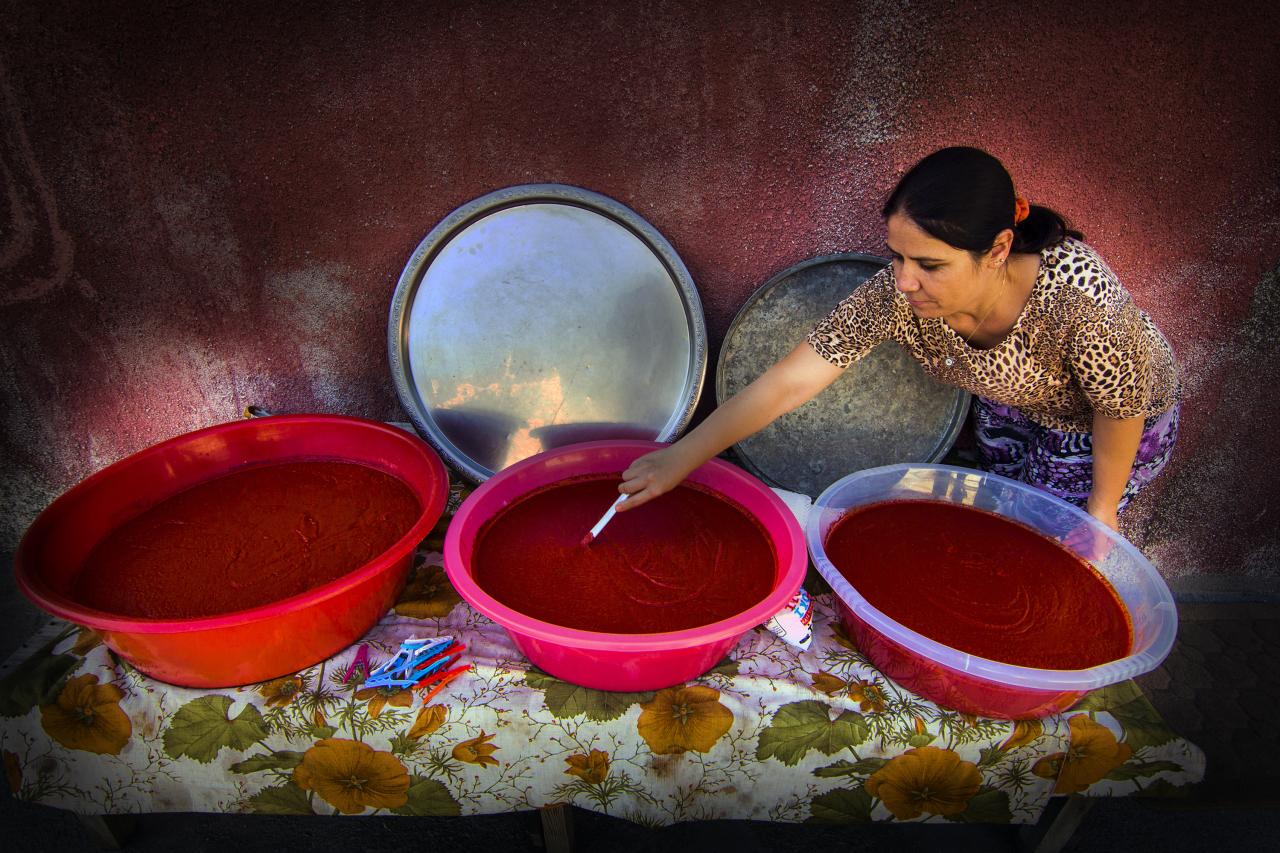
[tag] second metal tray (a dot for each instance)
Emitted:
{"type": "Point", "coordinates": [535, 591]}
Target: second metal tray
{"type": "Point", "coordinates": [884, 409]}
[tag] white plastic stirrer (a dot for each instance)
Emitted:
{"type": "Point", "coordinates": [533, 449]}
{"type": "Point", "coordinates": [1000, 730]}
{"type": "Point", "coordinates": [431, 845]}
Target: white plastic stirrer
{"type": "Point", "coordinates": [604, 519]}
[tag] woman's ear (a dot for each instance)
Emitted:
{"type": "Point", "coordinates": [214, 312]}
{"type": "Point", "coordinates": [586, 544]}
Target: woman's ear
{"type": "Point", "coordinates": [999, 251]}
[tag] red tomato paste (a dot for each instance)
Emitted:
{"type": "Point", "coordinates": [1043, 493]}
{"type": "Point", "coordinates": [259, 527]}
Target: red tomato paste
{"type": "Point", "coordinates": [980, 583]}
{"type": "Point", "coordinates": [686, 559]}
{"type": "Point", "coordinates": [246, 539]}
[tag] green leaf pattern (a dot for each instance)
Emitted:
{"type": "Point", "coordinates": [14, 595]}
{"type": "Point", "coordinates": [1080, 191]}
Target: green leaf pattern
{"type": "Point", "coordinates": [429, 798]}
{"type": "Point", "coordinates": [989, 805]}
{"type": "Point", "coordinates": [842, 805]}
{"type": "Point", "coordinates": [281, 799]}
{"type": "Point", "coordinates": [801, 726]}
{"type": "Point", "coordinates": [201, 728]}
{"type": "Point", "coordinates": [801, 747]}
{"type": "Point", "coordinates": [35, 679]}
{"type": "Point", "coordinates": [565, 700]}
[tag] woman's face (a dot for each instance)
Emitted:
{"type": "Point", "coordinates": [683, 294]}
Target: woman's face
{"type": "Point", "coordinates": [937, 279]}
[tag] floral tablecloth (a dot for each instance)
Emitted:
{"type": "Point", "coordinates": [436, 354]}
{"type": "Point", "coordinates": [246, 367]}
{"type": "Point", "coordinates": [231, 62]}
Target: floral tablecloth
{"type": "Point", "coordinates": [769, 734]}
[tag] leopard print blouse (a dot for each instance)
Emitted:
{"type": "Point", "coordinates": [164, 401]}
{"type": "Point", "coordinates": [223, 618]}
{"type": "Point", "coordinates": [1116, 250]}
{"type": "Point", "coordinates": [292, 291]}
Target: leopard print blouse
{"type": "Point", "coordinates": [1080, 345]}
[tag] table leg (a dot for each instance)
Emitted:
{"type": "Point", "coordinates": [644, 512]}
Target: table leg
{"type": "Point", "coordinates": [557, 828]}
{"type": "Point", "coordinates": [1054, 829]}
{"type": "Point", "coordinates": [111, 830]}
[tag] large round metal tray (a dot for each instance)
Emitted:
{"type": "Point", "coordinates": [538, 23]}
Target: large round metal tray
{"type": "Point", "coordinates": [543, 315]}
{"type": "Point", "coordinates": [884, 409]}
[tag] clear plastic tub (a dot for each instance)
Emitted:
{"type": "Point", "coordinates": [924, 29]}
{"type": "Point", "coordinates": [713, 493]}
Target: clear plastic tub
{"type": "Point", "coordinates": [963, 681]}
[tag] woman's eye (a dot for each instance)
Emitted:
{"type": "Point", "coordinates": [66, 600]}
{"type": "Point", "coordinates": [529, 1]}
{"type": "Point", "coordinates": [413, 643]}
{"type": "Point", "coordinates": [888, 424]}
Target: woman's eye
{"type": "Point", "coordinates": [929, 267]}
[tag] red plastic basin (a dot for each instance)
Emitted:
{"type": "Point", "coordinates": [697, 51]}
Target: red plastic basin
{"type": "Point", "coordinates": [622, 661]}
{"type": "Point", "coordinates": [248, 645]}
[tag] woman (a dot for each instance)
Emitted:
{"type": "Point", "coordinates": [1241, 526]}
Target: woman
{"type": "Point", "coordinates": [1076, 390]}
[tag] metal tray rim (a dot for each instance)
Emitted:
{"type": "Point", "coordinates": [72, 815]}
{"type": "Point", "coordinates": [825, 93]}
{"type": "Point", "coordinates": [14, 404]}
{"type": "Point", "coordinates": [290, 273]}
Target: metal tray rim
{"type": "Point", "coordinates": [514, 196]}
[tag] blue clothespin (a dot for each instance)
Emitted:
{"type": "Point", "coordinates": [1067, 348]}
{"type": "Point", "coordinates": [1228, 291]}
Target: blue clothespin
{"type": "Point", "coordinates": [402, 669]}
{"type": "Point", "coordinates": [439, 660]}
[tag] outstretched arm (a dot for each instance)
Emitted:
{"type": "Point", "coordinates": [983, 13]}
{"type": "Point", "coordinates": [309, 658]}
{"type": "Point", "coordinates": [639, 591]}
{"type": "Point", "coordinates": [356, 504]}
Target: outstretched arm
{"type": "Point", "coordinates": [1115, 445]}
{"type": "Point", "coordinates": [794, 380]}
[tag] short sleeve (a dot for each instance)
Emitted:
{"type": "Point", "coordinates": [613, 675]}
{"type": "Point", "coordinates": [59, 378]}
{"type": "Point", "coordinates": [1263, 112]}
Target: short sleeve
{"type": "Point", "coordinates": [1111, 355]}
{"type": "Point", "coordinates": [862, 320]}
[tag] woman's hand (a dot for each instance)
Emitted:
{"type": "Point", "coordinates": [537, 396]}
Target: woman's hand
{"type": "Point", "coordinates": [652, 475]}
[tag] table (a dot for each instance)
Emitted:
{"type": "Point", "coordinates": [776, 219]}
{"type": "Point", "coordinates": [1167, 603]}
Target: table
{"type": "Point", "coordinates": [769, 734]}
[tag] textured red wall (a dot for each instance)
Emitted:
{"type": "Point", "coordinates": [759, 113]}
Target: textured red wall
{"type": "Point", "coordinates": [209, 208]}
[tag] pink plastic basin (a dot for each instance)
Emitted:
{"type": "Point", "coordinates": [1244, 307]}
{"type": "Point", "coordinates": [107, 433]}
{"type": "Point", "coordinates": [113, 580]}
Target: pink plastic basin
{"type": "Point", "coordinates": [622, 661]}
{"type": "Point", "coordinates": [967, 682]}
{"type": "Point", "coordinates": [248, 645]}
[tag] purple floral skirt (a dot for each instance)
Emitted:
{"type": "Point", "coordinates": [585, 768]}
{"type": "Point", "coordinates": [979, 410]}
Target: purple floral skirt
{"type": "Point", "coordinates": [1061, 463]}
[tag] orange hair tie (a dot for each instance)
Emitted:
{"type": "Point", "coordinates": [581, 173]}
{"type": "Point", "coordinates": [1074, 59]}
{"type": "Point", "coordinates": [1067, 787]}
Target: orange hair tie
{"type": "Point", "coordinates": [1020, 209]}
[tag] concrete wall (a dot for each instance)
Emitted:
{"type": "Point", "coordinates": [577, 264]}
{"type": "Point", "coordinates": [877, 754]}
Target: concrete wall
{"type": "Point", "coordinates": [207, 208]}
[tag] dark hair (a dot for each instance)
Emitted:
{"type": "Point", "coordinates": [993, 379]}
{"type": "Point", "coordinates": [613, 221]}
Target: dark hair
{"type": "Point", "coordinates": [964, 197]}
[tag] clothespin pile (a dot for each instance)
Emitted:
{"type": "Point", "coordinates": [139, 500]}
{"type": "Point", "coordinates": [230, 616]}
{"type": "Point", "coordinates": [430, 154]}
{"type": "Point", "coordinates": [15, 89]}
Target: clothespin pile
{"type": "Point", "coordinates": [419, 664]}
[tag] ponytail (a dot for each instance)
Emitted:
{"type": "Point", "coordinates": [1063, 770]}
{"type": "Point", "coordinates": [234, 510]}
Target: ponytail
{"type": "Point", "coordinates": [1041, 229]}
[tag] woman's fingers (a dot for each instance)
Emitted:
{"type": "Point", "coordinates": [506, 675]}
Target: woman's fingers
{"type": "Point", "coordinates": [637, 498]}
{"type": "Point", "coordinates": [634, 480]}
{"type": "Point", "coordinates": [641, 489]}
{"type": "Point", "coordinates": [642, 481]}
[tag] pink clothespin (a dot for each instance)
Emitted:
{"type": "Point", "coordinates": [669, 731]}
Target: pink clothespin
{"type": "Point", "coordinates": [361, 660]}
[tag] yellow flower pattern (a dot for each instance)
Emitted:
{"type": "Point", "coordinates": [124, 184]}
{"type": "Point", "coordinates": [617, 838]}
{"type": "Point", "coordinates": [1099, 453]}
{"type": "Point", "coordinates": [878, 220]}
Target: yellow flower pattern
{"type": "Point", "coordinates": [87, 716]}
{"type": "Point", "coordinates": [1094, 752]}
{"type": "Point", "coordinates": [1024, 732]}
{"type": "Point", "coordinates": [680, 719]}
{"type": "Point", "coordinates": [869, 696]}
{"type": "Point", "coordinates": [353, 777]}
{"type": "Point", "coordinates": [428, 720]}
{"type": "Point", "coordinates": [380, 697]}
{"type": "Point", "coordinates": [593, 768]}
{"type": "Point", "coordinates": [281, 691]}
{"type": "Point", "coordinates": [829, 684]}
{"type": "Point", "coordinates": [927, 779]}
{"type": "Point", "coordinates": [477, 750]}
